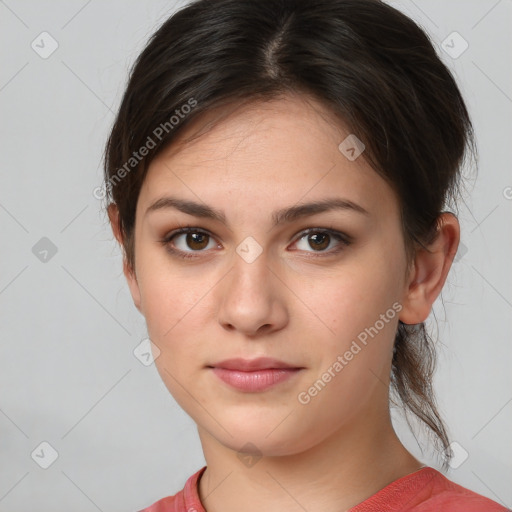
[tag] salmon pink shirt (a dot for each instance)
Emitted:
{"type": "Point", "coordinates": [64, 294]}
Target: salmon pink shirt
{"type": "Point", "coordinates": [425, 490]}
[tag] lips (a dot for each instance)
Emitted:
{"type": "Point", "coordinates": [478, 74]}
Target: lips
{"type": "Point", "coordinates": [254, 375]}
{"type": "Point", "coordinates": [247, 365]}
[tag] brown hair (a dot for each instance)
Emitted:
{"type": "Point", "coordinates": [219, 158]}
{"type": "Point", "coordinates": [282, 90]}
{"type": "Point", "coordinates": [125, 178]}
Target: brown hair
{"type": "Point", "coordinates": [371, 65]}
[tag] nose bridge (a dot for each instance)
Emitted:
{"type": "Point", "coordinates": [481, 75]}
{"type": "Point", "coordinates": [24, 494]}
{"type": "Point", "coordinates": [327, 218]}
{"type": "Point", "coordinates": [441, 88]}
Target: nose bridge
{"type": "Point", "coordinates": [250, 276]}
{"type": "Point", "coordinates": [250, 298]}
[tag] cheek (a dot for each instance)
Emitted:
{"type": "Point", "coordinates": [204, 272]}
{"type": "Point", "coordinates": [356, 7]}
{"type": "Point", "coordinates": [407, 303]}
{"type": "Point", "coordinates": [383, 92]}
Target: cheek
{"type": "Point", "coordinates": [168, 290]}
{"type": "Point", "coordinates": [351, 298]}
{"type": "Point", "coordinates": [173, 308]}
{"type": "Point", "coordinates": [173, 299]}
{"type": "Point", "coordinates": [353, 361]}
{"type": "Point", "coordinates": [359, 306]}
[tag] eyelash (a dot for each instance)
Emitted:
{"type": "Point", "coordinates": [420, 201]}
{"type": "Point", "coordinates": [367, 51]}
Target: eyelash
{"type": "Point", "coordinates": [344, 241]}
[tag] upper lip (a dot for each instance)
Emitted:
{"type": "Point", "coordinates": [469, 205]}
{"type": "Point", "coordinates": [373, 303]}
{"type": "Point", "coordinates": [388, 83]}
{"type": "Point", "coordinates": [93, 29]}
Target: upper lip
{"type": "Point", "coordinates": [260, 363]}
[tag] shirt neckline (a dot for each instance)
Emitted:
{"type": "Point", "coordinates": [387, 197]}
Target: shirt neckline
{"type": "Point", "coordinates": [393, 492]}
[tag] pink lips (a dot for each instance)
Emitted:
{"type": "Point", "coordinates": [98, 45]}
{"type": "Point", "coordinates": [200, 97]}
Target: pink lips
{"type": "Point", "coordinates": [253, 375]}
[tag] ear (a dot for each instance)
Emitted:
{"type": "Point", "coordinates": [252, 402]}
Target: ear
{"type": "Point", "coordinates": [129, 273]}
{"type": "Point", "coordinates": [429, 271]}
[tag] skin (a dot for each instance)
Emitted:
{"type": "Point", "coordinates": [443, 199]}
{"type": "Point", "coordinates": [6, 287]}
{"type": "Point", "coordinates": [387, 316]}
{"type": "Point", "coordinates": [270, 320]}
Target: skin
{"type": "Point", "coordinates": [340, 448]}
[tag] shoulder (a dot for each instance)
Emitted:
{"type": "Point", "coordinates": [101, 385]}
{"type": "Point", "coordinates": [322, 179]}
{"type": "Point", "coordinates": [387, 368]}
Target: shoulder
{"type": "Point", "coordinates": [167, 504]}
{"type": "Point", "coordinates": [427, 490]}
{"type": "Point", "coordinates": [446, 495]}
{"type": "Point", "coordinates": [186, 500]}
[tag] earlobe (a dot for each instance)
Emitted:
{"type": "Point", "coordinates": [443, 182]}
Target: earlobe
{"type": "Point", "coordinates": [430, 270]}
{"type": "Point", "coordinates": [129, 273]}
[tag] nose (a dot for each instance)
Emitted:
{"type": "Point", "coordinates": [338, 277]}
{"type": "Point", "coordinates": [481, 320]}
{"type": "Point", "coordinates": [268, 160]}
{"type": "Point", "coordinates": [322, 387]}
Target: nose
{"type": "Point", "coordinates": [252, 299]}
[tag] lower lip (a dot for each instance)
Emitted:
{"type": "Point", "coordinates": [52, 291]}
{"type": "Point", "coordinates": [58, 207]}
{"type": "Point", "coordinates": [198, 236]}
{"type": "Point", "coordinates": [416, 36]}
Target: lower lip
{"type": "Point", "coordinates": [258, 380]}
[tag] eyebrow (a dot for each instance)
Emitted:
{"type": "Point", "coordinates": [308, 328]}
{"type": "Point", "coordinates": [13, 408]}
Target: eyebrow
{"type": "Point", "coordinates": [283, 216]}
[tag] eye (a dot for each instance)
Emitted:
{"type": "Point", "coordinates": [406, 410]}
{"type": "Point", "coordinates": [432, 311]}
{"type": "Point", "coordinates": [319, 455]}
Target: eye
{"type": "Point", "coordinates": [322, 241]}
{"type": "Point", "coordinates": [189, 242]}
{"type": "Point", "coordinates": [185, 241]}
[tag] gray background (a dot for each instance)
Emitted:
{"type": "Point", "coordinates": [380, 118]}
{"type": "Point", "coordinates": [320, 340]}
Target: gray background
{"type": "Point", "coordinates": [68, 374]}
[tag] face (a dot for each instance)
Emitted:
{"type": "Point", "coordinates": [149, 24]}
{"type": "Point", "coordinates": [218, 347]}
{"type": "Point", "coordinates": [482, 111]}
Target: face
{"type": "Point", "coordinates": [260, 275]}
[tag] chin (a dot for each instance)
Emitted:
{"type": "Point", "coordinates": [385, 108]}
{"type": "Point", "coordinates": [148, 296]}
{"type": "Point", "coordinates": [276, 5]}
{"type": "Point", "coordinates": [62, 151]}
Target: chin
{"type": "Point", "coordinates": [270, 437]}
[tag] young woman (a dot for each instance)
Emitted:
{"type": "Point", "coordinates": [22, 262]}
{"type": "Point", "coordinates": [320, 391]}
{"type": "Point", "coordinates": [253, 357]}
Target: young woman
{"type": "Point", "coordinates": [277, 176]}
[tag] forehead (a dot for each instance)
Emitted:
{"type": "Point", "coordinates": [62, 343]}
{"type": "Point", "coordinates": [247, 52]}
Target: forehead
{"type": "Point", "coordinates": [277, 152]}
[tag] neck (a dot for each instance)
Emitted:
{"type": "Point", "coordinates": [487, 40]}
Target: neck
{"type": "Point", "coordinates": [342, 471]}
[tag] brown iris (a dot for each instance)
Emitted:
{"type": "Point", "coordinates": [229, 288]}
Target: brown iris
{"type": "Point", "coordinates": [320, 240]}
{"type": "Point", "coordinates": [197, 241]}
